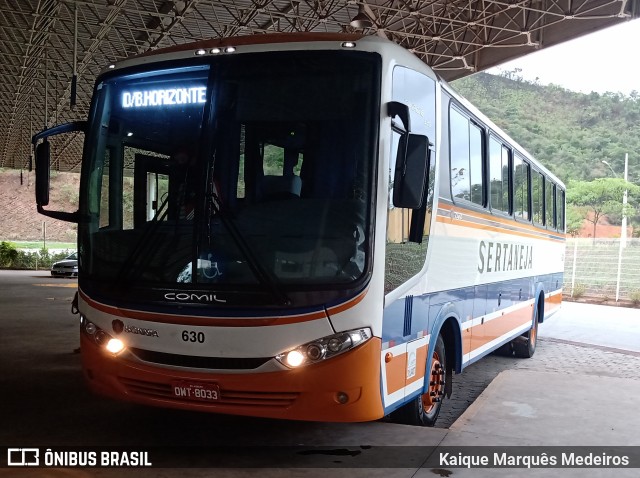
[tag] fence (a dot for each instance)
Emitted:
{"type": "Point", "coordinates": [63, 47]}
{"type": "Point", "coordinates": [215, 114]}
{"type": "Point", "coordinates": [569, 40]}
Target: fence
{"type": "Point", "coordinates": [601, 269]}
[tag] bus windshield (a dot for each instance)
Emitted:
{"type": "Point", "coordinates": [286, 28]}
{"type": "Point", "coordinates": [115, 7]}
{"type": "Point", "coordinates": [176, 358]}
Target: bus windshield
{"type": "Point", "coordinates": [253, 170]}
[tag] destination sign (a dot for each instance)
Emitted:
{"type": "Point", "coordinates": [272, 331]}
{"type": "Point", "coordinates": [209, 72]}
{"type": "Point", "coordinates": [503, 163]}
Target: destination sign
{"type": "Point", "coordinates": [164, 97]}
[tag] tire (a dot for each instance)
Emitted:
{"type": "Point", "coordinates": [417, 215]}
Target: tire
{"type": "Point", "coordinates": [525, 345]}
{"type": "Point", "coordinates": [424, 409]}
{"type": "Point", "coordinates": [505, 350]}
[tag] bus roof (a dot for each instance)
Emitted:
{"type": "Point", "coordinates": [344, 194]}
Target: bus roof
{"type": "Point", "coordinates": [257, 39]}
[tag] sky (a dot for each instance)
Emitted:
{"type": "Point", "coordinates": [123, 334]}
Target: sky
{"type": "Point", "coordinates": [603, 61]}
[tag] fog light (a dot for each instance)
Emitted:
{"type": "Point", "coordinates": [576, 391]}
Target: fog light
{"type": "Point", "coordinates": [342, 398]}
{"type": "Point", "coordinates": [90, 328]}
{"type": "Point", "coordinates": [294, 358]}
{"type": "Point", "coordinates": [115, 346]}
{"type": "Point", "coordinates": [101, 337]}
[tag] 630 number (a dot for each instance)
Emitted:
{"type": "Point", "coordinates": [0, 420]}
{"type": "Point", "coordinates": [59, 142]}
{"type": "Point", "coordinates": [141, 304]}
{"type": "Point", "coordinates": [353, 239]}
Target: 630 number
{"type": "Point", "coordinates": [193, 336]}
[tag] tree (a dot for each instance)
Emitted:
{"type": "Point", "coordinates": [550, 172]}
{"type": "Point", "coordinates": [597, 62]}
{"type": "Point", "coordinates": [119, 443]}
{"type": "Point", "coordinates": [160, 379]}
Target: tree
{"type": "Point", "coordinates": [8, 254]}
{"type": "Point", "coordinates": [601, 197]}
{"type": "Point", "coordinates": [575, 218]}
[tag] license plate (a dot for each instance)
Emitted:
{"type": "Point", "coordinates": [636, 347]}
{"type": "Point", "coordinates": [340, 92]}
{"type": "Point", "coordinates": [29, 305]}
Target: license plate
{"type": "Point", "coordinates": [204, 392]}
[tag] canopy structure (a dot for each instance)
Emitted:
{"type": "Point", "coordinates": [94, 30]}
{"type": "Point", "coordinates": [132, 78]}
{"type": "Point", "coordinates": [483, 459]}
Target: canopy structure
{"type": "Point", "coordinates": [43, 42]}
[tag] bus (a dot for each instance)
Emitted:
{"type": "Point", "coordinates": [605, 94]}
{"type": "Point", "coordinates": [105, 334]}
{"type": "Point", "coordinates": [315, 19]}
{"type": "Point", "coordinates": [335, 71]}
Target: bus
{"type": "Point", "coordinates": [301, 226]}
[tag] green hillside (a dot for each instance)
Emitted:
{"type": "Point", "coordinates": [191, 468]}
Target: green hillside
{"type": "Point", "coordinates": [570, 133]}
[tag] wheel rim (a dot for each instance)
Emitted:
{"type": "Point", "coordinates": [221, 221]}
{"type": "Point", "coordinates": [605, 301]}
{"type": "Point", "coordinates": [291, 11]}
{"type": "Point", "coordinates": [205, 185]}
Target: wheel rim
{"type": "Point", "coordinates": [432, 398]}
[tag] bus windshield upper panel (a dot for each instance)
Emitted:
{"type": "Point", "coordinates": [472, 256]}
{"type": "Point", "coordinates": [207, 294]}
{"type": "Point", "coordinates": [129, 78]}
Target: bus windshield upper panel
{"type": "Point", "coordinates": [248, 170]}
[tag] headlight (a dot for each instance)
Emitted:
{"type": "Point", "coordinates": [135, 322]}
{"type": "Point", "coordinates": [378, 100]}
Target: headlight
{"type": "Point", "coordinates": [100, 337]}
{"type": "Point", "coordinates": [115, 346]}
{"type": "Point", "coordinates": [324, 348]}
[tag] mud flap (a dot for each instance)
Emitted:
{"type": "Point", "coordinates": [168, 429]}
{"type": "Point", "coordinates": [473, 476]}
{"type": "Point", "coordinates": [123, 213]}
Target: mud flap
{"type": "Point", "coordinates": [448, 383]}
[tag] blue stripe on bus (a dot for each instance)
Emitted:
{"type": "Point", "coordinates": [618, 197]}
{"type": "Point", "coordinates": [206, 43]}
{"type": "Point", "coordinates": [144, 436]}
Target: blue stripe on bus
{"type": "Point", "coordinates": [469, 303]}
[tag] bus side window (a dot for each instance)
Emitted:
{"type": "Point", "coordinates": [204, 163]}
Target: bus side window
{"type": "Point", "coordinates": [549, 203]}
{"type": "Point", "coordinates": [466, 159]}
{"type": "Point", "coordinates": [459, 151]}
{"type": "Point", "coordinates": [499, 160]}
{"type": "Point", "coordinates": [560, 209]}
{"type": "Point", "coordinates": [521, 186]}
{"type": "Point", "coordinates": [537, 196]}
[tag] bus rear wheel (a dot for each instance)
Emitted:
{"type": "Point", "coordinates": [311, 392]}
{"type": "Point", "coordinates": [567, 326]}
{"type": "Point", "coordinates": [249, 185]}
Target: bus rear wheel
{"type": "Point", "coordinates": [424, 409]}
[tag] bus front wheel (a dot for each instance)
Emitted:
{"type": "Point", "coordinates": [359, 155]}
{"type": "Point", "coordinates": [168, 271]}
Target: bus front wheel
{"type": "Point", "coordinates": [424, 409]}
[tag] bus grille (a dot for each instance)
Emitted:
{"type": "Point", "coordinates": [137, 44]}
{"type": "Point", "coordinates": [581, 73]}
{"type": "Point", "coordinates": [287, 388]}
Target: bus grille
{"type": "Point", "coordinates": [190, 361]}
{"type": "Point", "coordinates": [227, 397]}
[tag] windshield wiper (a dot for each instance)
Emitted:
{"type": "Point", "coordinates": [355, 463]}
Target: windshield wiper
{"type": "Point", "coordinates": [265, 278]}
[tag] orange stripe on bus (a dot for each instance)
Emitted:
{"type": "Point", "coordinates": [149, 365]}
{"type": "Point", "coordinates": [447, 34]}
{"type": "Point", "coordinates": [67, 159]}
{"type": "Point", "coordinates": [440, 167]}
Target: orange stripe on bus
{"type": "Point", "coordinates": [482, 334]}
{"type": "Point", "coordinates": [466, 341]}
{"type": "Point", "coordinates": [555, 298]}
{"type": "Point", "coordinates": [347, 305]}
{"type": "Point", "coordinates": [447, 220]}
{"type": "Point", "coordinates": [501, 220]}
{"type": "Point", "coordinates": [507, 222]}
{"type": "Point", "coordinates": [553, 302]}
{"type": "Point", "coordinates": [396, 373]}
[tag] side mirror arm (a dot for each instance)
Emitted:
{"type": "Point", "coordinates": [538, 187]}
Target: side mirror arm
{"type": "Point", "coordinates": [42, 157]}
{"type": "Point", "coordinates": [60, 215]}
{"type": "Point", "coordinates": [395, 108]}
{"type": "Point", "coordinates": [62, 128]}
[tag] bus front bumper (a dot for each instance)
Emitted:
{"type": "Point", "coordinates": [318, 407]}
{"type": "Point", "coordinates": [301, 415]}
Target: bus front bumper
{"type": "Point", "coordinates": [345, 388]}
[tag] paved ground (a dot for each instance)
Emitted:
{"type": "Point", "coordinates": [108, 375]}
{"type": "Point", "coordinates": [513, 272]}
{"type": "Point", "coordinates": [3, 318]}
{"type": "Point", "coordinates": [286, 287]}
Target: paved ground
{"type": "Point", "coordinates": [616, 327]}
{"type": "Point", "coordinates": [568, 393]}
{"type": "Point", "coordinates": [580, 338]}
{"type": "Point", "coordinates": [552, 355]}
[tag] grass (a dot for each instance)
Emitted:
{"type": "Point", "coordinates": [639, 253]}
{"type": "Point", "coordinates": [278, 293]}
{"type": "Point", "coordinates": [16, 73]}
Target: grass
{"type": "Point", "coordinates": [72, 246]}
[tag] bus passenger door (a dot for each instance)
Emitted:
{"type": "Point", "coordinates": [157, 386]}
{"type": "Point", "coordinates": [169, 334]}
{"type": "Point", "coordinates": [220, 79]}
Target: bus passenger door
{"type": "Point", "coordinates": [403, 367]}
{"type": "Point", "coordinates": [404, 359]}
{"type": "Point", "coordinates": [416, 365]}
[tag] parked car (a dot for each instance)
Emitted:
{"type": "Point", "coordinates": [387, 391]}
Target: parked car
{"type": "Point", "coordinates": [68, 267]}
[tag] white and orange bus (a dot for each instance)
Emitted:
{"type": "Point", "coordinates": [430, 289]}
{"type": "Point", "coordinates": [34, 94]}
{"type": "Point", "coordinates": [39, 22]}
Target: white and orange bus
{"type": "Point", "coordinates": [308, 226]}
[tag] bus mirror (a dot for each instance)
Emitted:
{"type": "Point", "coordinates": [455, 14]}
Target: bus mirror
{"type": "Point", "coordinates": [43, 165]}
{"type": "Point", "coordinates": [411, 171]}
{"type": "Point", "coordinates": [43, 151]}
